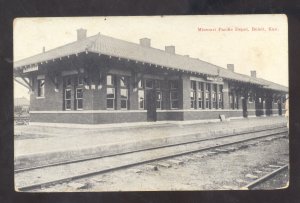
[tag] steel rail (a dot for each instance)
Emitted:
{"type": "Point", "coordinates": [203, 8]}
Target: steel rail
{"type": "Point", "coordinates": [140, 150]}
{"type": "Point", "coordinates": [84, 175]}
{"type": "Point", "coordinates": [264, 178]}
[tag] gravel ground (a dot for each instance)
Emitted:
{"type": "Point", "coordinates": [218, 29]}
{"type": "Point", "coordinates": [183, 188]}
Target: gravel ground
{"type": "Point", "coordinates": [198, 171]}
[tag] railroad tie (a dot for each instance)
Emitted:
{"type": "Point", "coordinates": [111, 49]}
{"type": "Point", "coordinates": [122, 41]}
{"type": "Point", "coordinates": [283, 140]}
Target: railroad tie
{"type": "Point", "coordinates": [165, 165]}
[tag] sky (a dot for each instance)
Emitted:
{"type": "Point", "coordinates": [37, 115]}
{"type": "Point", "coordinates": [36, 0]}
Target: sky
{"type": "Point", "coordinates": [250, 42]}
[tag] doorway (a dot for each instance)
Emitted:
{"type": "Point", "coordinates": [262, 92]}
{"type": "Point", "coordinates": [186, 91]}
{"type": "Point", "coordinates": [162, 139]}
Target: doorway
{"type": "Point", "coordinates": [151, 105]}
{"type": "Point", "coordinates": [244, 106]}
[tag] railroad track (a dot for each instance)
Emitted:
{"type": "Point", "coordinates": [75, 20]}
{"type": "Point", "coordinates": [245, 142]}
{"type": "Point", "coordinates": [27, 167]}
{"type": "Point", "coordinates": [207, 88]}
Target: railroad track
{"type": "Point", "coordinates": [39, 179]}
{"type": "Point", "coordinates": [265, 178]}
{"type": "Point", "coordinates": [133, 151]}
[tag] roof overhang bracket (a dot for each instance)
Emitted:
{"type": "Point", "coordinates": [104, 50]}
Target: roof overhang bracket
{"type": "Point", "coordinates": [102, 75]}
{"type": "Point", "coordinates": [54, 80]}
{"type": "Point", "coordinates": [137, 77]}
{"type": "Point", "coordinates": [21, 83]}
{"type": "Point", "coordinates": [24, 82]}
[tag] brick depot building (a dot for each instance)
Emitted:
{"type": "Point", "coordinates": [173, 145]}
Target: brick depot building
{"type": "Point", "coordinates": [100, 79]}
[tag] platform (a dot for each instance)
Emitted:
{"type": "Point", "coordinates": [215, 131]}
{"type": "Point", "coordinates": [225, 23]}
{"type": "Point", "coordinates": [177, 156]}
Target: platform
{"type": "Point", "coordinates": [44, 144]}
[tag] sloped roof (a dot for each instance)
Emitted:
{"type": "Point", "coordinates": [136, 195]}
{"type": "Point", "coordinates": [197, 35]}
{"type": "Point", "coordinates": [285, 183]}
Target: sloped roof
{"type": "Point", "coordinates": [65, 50]}
{"type": "Point", "coordinates": [119, 48]}
{"type": "Point", "coordinates": [273, 86]}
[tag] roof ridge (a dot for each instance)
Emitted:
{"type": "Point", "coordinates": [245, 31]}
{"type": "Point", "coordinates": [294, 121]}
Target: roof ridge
{"type": "Point", "coordinates": [161, 50]}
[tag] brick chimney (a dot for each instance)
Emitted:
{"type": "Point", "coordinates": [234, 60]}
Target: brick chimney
{"type": "Point", "coordinates": [81, 34]}
{"type": "Point", "coordinates": [44, 49]}
{"type": "Point", "coordinates": [230, 67]}
{"type": "Point", "coordinates": [170, 49]}
{"type": "Point", "coordinates": [253, 73]}
{"type": "Point", "coordinates": [145, 42]}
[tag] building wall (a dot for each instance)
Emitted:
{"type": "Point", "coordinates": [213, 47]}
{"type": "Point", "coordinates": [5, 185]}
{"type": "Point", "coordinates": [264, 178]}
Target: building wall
{"type": "Point", "coordinates": [94, 98]}
{"type": "Point", "coordinates": [211, 114]}
{"type": "Point", "coordinates": [62, 117]}
{"type": "Point", "coordinates": [170, 115]}
{"type": "Point", "coordinates": [120, 117]}
{"type": "Point", "coordinates": [51, 101]}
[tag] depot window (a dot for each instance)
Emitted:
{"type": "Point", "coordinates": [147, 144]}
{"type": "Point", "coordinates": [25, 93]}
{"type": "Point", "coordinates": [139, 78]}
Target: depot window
{"type": "Point", "coordinates": [158, 99]}
{"type": "Point", "coordinates": [41, 87]}
{"type": "Point", "coordinates": [233, 101]}
{"type": "Point", "coordinates": [110, 98]}
{"type": "Point", "coordinates": [79, 98]}
{"type": "Point", "coordinates": [141, 95]}
{"type": "Point", "coordinates": [207, 96]}
{"type": "Point", "coordinates": [174, 99]}
{"type": "Point", "coordinates": [110, 92]}
{"type": "Point", "coordinates": [200, 95]}
{"type": "Point", "coordinates": [124, 84]}
{"type": "Point", "coordinates": [68, 95]}
{"type": "Point", "coordinates": [140, 84]}
{"type": "Point", "coordinates": [80, 80]}
{"type": "Point", "coordinates": [193, 94]}
{"type": "Point", "coordinates": [124, 98]}
{"type": "Point", "coordinates": [214, 96]}
{"type": "Point", "coordinates": [220, 96]}
{"type": "Point", "coordinates": [110, 80]}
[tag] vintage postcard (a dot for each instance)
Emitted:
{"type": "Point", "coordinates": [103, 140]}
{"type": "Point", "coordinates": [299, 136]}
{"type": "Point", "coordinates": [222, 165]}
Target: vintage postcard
{"type": "Point", "coordinates": [151, 103]}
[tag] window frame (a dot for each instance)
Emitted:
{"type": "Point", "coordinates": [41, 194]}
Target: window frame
{"type": "Point", "coordinates": [220, 97]}
{"type": "Point", "coordinates": [139, 99]}
{"type": "Point", "coordinates": [41, 89]}
{"type": "Point", "coordinates": [200, 95]}
{"type": "Point", "coordinates": [214, 96]}
{"type": "Point", "coordinates": [158, 100]}
{"type": "Point", "coordinates": [124, 85]}
{"type": "Point", "coordinates": [112, 80]}
{"type": "Point", "coordinates": [80, 78]}
{"type": "Point", "coordinates": [65, 99]}
{"type": "Point", "coordinates": [193, 88]}
{"type": "Point", "coordinates": [214, 100]}
{"type": "Point", "coordinates": [109, 98]}
{"type": "Point", "coordinates": [174, 100]}
{"type": "Point", "coordinates": [207, 96]}
{"type": "Point", "coordinates": [141, 84]}
{"type": "Point", "coordinates": [77, 99]}
{"type": "Point", "coordinates": [124, 99]}
{"type": "Point", "coordinates": [193, 99]}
